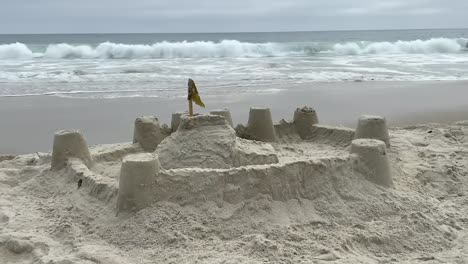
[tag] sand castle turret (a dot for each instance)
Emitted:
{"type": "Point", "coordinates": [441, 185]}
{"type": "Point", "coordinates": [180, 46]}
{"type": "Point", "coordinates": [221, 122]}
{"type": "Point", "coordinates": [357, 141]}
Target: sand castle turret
{"type": "Point", "coordinates": [175, 120]}
{"type": "Point", "coordinates": [374, 160]}
{"type": "Point", "coordinates": [374, 127]}
{"type": "Point", "coordinates": [225, 113]}
{"type": "Point", "coordinates": [260, 126]}
{"type": "Point", "coordinates": [147, 133]}
{"type": "Point", "coordinates": [304, 119]}
{"type": "Point", "coordinates": [69, 144]}
{"type": "Point", "coordinates": [137, 175]}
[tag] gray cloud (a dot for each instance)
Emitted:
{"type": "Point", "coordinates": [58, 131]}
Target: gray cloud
{"type": "Point", "coordinates": [55, 16]}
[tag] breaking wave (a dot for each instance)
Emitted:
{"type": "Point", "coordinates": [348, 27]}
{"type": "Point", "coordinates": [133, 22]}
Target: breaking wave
{"type": "Point", "coordinates": [15, 51]}
{"type": "Point", "coordinates": [230, 48]}
{"type": "Point", "coordinates": [437, 45]}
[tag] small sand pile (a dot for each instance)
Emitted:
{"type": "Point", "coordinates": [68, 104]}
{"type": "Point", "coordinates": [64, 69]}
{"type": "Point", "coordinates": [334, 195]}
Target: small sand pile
{"type": "Point", "coordinates": [209, 141]}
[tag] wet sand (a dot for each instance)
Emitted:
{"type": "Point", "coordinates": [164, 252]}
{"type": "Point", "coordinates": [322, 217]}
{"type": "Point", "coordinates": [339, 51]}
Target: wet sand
{"type": "Point", "coordinates": [28, 123]}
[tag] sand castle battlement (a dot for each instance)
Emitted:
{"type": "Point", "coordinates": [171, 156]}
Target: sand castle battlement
{"type": "Point", "coordinates": [205, 159]}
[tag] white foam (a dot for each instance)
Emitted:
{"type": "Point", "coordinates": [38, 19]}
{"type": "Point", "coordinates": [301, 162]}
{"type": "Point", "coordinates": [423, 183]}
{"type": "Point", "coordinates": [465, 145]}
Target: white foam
{"type": "Point", "coordinates": [15, 51]}
{"type": "Point", "coordinates": [198, 49]}
{"type": "Point", "coordinates": [435, 45]}
{"type": "Point", "coordinates": [230, 48]}
{"type": "Point", "coordinates": [59, 51]}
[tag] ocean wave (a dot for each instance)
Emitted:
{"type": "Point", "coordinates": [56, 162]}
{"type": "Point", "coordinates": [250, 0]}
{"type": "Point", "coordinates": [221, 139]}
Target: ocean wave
{"type": "Point", "coordinates": [15, 51]}
{"type": "Point", "coordinates": [436, 45]}
{"type": "Point", "coordinates": [122, 93]}
{"type": "Point", "coordinates": [230, 48]}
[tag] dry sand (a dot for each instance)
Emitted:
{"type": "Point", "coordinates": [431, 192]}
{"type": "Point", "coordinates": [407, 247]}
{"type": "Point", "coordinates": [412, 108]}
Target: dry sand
{"type": "Point", "coordinates": [312, 206]}
{"type": "Point", "coordinates": [28, 123]}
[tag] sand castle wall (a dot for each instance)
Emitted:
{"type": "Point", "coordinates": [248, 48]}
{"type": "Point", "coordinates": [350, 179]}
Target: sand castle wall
{"type": "Point", "coordinates": [337, 136]}
{"type": "Point", "coordinates": [102, 188]}
{"type": "Point", "coordinates": [98, 186]}
{"type": "Point", "coordinates": [113, 152]}
{"type": "Point", "coordinates": [333, 135]}
{"type": "Point", "coordinates": [300, 179]}
{"type": "Point", "coordinates": [304, 127]}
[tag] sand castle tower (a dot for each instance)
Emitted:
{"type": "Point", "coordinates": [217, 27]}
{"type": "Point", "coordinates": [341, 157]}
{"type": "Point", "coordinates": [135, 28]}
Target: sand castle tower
{"type": "Point", "coordinates": [175, 120]}
{"type": "Point", "coordinates": [137, 176]}
{"type": "Point", "coordinates": [374, 127]}
{"type": "Point", "coordinates": [225, 113]}
{"type": "Point", "coordinates": [69, 144]}
{"type": "Point", "coordinates": [260, 126]}
{"type": "Point", "coordinates": [304, 119]}
{"type": "Point", "coordinates": [147, 133]}
{"type": "Point", "coordinates": [374, 160]}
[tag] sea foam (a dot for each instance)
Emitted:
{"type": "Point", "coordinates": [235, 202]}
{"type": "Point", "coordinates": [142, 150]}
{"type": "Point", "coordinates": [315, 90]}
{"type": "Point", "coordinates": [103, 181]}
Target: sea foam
{"type": "Point", "coordinates": [15, 51]}
{"type": "Point", "coordinates": [436, 45]}
{"type": "Point", "coordinates": [230, 48]}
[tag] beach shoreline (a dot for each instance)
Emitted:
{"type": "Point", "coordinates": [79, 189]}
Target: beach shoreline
{"type": "Point", "coordinates": [28, 123]}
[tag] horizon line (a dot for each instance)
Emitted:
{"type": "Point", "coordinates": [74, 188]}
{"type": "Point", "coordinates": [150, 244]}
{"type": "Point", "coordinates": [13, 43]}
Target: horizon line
{"type": "Point", "coordinates": [235, 32]}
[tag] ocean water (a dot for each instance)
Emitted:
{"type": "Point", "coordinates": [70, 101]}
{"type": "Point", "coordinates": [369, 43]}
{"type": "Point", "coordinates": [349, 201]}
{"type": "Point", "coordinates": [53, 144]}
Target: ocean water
{"type": "Point", "coordinates": [158, 65]}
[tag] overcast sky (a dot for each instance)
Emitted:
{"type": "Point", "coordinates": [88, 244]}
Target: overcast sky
{"type": "Point", "coordinates": [110, 16]}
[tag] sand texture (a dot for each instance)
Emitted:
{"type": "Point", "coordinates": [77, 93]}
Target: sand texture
{"type": "Point", "coordinates": [299, 199]}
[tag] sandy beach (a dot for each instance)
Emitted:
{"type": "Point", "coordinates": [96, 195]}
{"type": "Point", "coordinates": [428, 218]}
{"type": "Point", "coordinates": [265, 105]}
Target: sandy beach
{"type": "Point", "coordinates": [334, 184]}
{"type": "Point", "coordinates": [28, 123]}
{"type": "Point", "coordinates": [301, 193]}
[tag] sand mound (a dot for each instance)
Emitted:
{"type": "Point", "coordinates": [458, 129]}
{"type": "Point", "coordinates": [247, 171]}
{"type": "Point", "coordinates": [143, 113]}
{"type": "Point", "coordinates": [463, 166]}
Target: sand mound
{"type": "Point", "coordinates": [208, 141]}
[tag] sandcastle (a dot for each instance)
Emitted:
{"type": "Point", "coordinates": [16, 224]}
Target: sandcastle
{"type": "Point", "coordinates": [209, 141]}
{"type": "Point", "coordinates": [69, 144]}
{"type": "Point", "coordinates": [224, 113]}
{"type": "Point", "coordinates": [147, 132]}
{"type": "Point", "coordinates": [373, 127]}
{"type": "Point", "coordinates": [175, 120]}
{"type": "Point", "coordinates": [259, 127]}
{"type": "Point", "coordinates": [205, 159]}
{"type": "Point", "coordinates": [136, 180]}
{"type": "Point", "coordinates": [373, 155]}
{"type": "Point", "coordinates": [304, 120]}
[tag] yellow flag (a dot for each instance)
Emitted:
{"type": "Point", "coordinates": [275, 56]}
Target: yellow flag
{"type": "Point", "coordinates": [193, 93]}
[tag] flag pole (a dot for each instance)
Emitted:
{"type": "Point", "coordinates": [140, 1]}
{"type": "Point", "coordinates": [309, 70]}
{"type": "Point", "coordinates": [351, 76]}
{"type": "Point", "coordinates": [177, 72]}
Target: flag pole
{"type": "Point", "coordinates": [190, 107]}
